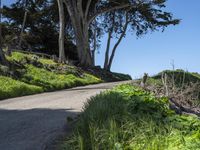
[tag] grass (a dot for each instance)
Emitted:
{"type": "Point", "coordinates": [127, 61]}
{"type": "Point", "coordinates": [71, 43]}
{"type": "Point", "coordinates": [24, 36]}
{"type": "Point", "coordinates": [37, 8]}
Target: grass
{"type": "Point", "coordinates": [180, 76]}
{"type": "Point", "coordinates": [47, 61]}
{"type": "Point", "coordinates": [129, 118]}
{"type": "Point", "coordinates": [12, 88]}
{"type": "Point", "coordinates": [53, 81]}
{"type": "Point", "coordinates": [30, 74]}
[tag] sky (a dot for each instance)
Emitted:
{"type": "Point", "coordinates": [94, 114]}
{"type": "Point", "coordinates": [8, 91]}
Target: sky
{"type": "Point", "coordinates": [156, 51]}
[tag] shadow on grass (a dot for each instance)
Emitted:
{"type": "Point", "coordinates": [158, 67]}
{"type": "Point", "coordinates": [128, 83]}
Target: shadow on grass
{"type": "Point", "coordinates": [32, 129]}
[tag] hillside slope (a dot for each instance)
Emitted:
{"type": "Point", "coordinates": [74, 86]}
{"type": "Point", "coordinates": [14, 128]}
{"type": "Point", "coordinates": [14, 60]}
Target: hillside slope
{"type": "Point", "coordinates": [30, 74]}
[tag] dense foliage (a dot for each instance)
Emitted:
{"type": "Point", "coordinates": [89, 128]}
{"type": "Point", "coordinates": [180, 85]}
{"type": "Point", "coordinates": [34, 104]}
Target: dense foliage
{"type": "Point", "coordinates": [41, 27]}
{"type": "Point", "coordinates": [34, 25]}
{"type": "Point", "coordinates": [130, 118]}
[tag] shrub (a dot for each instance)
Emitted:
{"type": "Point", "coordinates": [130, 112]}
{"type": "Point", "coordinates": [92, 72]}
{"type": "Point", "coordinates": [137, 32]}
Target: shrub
{"type": "Point", "coordinates": [132, 119]}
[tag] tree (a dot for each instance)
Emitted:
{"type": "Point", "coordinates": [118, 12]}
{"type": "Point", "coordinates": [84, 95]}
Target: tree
{"type": "Point", "coordinates": [83, 13]}
{"type": "Point", "coordinates": [95, 35]}
{"type": "Point", "coordinates": [61, 42]}
{"type": "Point", "coordinates": [123, 28]}
{"type": "Point", "coordinates": [23, 24]}
{"type": "Point", "coordinates": [33, 29]}
{"type": "Point", "coordinates": [81, 22]}
{"type": "Point", "coordinates": [41, 29]}
{"type": "Point", "coordinates": [147, 16]}
{"type": "Point", "coordinates": [3, 60]}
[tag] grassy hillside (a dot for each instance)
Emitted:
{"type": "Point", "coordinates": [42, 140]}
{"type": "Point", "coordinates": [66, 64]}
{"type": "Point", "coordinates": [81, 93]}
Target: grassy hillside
{"type": "Point", "coordinates": [180, 76]}
{"type": "Point", "coordinates": [129, 118]}
{"type": "Point", "coordinates": [30, 74]}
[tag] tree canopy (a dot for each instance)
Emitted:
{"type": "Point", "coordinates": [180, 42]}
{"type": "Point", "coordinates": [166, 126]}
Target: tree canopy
{"type": "Point", "coordinates": [85, 23]}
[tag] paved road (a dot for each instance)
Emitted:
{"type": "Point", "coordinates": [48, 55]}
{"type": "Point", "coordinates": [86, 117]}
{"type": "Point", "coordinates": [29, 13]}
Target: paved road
{"type": "Point", "coordinates": [31, 122]}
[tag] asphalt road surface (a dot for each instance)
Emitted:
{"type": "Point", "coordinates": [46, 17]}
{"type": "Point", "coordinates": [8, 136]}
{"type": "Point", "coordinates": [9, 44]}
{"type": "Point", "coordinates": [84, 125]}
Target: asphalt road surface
{"type": "Point", "coordinates": [32, 122]}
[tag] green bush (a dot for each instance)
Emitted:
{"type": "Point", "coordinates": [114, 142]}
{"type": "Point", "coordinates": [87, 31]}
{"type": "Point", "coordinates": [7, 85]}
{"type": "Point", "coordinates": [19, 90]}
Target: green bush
{"type": "Point", "coordinates": [12, 88]}
{"type": "Point", "coordinates": [128, 118]}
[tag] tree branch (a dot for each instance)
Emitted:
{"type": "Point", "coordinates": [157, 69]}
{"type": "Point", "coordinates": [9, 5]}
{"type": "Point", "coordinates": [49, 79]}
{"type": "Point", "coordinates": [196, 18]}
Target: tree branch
{"type": "Point", "coordinates": [87, 8]}
{"type": "Point", "coordinates": [107, 10]}
{"type": "Point", "coordinates": [80, 8]}
{"type": "Point", "coordinates": [118, 42]}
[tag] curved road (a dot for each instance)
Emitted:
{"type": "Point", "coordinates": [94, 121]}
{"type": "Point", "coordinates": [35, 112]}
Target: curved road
{"type": "Point", "coordinates": [32, 122]}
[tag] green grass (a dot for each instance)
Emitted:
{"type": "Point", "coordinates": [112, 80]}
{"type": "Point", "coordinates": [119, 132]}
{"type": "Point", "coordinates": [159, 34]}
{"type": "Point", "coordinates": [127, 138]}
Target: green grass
{"type": "Point", "coordinates": [12, 88]}
{"type": "Point", "coordinates": [180, 76]}
{"type": "Point", "coordinates": [35, 74]}
{"type": "Point", "coordinates": [19, 57]}
{"type": "Point", "coordinates": [47, 61]}
{"type": "Point", "coordinates": [31, 74]}
{"type": "Point", "coordinates": [128, 118]}
{"type": "Point", "coordinates": [53, 81]}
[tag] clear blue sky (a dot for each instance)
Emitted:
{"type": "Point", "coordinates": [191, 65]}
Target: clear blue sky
{"type": "Point", "coordinates": [153, 52]}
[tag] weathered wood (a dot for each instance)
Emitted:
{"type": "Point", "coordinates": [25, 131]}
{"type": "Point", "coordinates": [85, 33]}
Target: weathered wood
{"type": "Point", "coordinates": [180, 109]}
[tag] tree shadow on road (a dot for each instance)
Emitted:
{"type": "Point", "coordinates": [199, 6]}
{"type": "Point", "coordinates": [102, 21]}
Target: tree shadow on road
{"type": "Point", "coordinates": [34, 128]}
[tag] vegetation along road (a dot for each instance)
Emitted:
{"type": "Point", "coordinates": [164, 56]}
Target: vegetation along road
{"type": "Point", "coordinates": [31, 122]}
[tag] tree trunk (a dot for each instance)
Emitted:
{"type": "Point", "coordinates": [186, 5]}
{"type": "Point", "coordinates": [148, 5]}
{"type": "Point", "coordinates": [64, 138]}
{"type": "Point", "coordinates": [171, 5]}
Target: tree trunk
{"type": "Point", "coordinates": [115, 48]}
{"type": "Point", "coordinates": [94, 47]}
{"type": "Point", "coordinates": [84, 52]}
{"type": "Point", "coordinates": [81, 19]}
{"type": "Point", "coordinates": [22, 30]}
{"type": "Point", "coordinates": [93, 57]}
{"type": "Point", "coordinates": [107, 50]}
{"type": "Point", "coordinates": [82, 41]}
{"type": "Point", "coordinates": [3, 60]}
{"type": "Point", "coordinates": [80, 26]}
{"type": "Point", "coordinates": [61, 39]}
{"type": "Point", "coordinates": [9, 50]}
{"type": "Point", "coordinates": [113, 54]}
{"type": "Point", "coordinates": [108, 67]}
